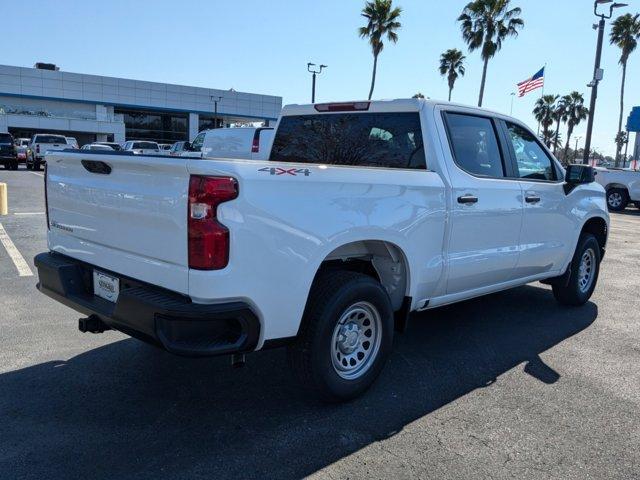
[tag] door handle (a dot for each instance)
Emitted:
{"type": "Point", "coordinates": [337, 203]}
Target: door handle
{"type": "Point", "coordinates": [467, 199]}
{"type": "Point", "coordinates": [532, 199]}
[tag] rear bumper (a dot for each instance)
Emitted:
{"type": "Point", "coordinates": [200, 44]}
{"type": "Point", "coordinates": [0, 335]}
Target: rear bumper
{"type": "Point", "coordinates": [149, 313]}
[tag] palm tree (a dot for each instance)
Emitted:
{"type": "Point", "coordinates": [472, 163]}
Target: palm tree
{"type": "Point", "coordinates": [575, 112]}
{"type": "Point", "coordinates": [625, 32]}
{"type": "Point", "coordinates": [485, 24]}
{"type": "Point", "coordinates": [551, 138]}
{"type": "Point", "coordinates": [544, 113]}
{"type": "Point", "coordinates": [559, 115]}
{"type": "Point", "coordinates": [452, 65]}
{"type": "Point", "coordinates": [382, 20]}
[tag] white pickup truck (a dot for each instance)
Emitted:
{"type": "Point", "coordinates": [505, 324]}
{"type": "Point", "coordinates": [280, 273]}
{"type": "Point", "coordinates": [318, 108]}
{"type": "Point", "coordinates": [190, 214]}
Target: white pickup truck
{"type": "Point", "coordinates": [622, 186]}
{"type": "Point", "coordinates": [363, 213]}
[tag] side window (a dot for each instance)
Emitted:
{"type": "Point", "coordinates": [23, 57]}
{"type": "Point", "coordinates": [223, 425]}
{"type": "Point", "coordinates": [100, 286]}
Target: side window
{"type": "Point", "coordinates": [196, 145]}
{"type": "Point", "coordinates": [475, 145]}
{"type": "Point", "coordinates": [533, 162]}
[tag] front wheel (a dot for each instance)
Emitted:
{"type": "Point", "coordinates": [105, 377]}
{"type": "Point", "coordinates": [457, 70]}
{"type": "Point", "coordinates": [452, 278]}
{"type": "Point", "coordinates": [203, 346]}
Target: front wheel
{"type": "Point", "coordinates": [585, 267]}
{"type": "Point", "coordinates": [617, 199]}
{"type": "Point", "coordinates": [345, 336]}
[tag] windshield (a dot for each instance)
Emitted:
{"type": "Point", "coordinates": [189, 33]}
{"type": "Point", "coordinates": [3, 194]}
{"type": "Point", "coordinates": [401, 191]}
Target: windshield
{"type": "Point", "coordinates": [6, 138]}
{"type": "Point", "coordinates": [145, 145]}
{"type": "Point", "coordinates": [50, 139]}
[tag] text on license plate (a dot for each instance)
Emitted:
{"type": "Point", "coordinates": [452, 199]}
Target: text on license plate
{"type": "Point", "coordinates": [106, 286]}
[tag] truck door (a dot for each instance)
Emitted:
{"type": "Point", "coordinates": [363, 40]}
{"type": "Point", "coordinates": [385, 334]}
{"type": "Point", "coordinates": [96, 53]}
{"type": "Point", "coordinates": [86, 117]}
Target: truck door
{"type": "Point", "coordinates": [486, 205]}
{"type": "Point", "coordinates": [548, 227]}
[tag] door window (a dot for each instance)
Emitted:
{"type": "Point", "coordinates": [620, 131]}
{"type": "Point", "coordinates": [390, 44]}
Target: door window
{"type": "Point", "coordinates": [532, 161]}
{"type": "Point", "coordinates": [196, 145]}
{"type": "Point", "coordinates": [475, 145]}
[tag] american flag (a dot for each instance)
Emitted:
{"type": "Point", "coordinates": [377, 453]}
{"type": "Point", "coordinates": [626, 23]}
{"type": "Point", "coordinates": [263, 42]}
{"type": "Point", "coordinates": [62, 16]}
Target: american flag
{"type": "Point", "coordinates": [530, 84]}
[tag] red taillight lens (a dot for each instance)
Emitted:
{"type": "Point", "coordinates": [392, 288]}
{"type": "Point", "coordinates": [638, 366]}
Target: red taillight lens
{"type": "Point", "coordinates": [208, 238]}
{"type": "Point", "coordinates": [255, 146]}
{"type": "Point", "coordinates": [46, 197]}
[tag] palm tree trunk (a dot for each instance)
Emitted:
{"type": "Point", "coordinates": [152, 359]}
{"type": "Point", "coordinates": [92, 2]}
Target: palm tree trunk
{"type": "Point", "coordinates": [373, 75]}
{"type": "Point", "coordinates": [566, 145]}
{"type": "Point", "coordinates": [484, 79]}
{"type": "Point", "coordinates": [450, 90]}
{"type": "Point", "coordinates": [624, 76]}
{"type": "Point", "coordinates": [555, 142]}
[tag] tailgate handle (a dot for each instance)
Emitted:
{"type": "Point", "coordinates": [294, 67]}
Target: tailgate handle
{"type": "Point", "coordinates": [96, 166]}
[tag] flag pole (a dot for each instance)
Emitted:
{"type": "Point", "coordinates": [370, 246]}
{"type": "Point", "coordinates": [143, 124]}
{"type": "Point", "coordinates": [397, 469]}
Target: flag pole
{"type": "Point", "coordinates": [544, 76]}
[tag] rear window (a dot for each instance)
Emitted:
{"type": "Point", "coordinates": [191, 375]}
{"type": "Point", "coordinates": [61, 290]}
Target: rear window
{"type": "Point", "coordinates": [50, 139]}
{"type": "Point", "coordinates": [145, 145]}
{"type": "Point", "coordinates": [6, 138]}
{"type": "Point", "coordinates": [389, 140]}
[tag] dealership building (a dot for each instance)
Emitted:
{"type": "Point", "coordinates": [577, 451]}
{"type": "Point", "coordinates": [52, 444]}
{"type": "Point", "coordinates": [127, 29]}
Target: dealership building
{"type": "Point", "coordinates": [96, 108]}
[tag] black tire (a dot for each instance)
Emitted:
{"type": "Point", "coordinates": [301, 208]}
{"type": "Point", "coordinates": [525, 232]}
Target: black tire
{"type": "Point", "coordinates": [333, 294]}
{"type": "Point", "coordinates": [637, 204]}
{"type": "Point", "coordinates": [36, 165]}
{"type": "Point", "coordinates": [15, 165]}
{"type": "Point", "coordinates": [572, 293]}
{"type": "Point", "coordinates": [29, 165]}
{"type": "Point", "coordinates": [617, 199]}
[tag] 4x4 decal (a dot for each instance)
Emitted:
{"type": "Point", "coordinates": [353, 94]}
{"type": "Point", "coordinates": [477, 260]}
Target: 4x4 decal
{"type": "Point", "coordinates": [286, 171]}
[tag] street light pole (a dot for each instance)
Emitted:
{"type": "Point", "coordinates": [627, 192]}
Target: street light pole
{"type": "Point", "coordinates": [512, 97]}
{"type": "Point", "coordinates": [597, 72]}
{"type": "Point", "coordinates": [313, 78]}
{"type": "Point", "coordinates": [215, 100]}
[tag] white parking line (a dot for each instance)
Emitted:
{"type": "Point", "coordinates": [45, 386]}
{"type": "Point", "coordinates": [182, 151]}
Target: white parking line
{"type": "Point", "coordinates": [39, 174]}
{"type": "Point", "coordinates": [14, 254]}
{"type": "Point", "coordinates": [28, 213]}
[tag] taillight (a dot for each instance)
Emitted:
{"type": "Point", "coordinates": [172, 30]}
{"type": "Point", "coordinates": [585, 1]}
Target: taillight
{"type": "Point", "coordinates": [37, 148]}
{"type": "Point", "coordinates": [208, 238]}
{"type": "Point", "coordinates": [255, 146]}
{"type": "Point", "coordinates": [46, 198]}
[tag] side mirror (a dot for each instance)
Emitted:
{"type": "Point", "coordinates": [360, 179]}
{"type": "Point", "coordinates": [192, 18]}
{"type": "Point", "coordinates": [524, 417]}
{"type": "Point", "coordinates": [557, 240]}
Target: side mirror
{"type": "Point", "coordinates": [578, 174]}
{"type": "Point", "coordinates": [187, 146]}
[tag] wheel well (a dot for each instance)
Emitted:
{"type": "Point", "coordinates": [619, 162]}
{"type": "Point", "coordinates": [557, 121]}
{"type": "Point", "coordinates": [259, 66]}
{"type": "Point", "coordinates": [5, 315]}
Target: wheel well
{"type": "Point", "coordinates": [598, 228]}
{"type": "Point", "coordinates": [616, 185]}
{"type": "Point", "coordinates": [381, 260]}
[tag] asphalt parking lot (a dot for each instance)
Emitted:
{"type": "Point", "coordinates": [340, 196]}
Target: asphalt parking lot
{"type": "Point", "coordinates": [506, 386]}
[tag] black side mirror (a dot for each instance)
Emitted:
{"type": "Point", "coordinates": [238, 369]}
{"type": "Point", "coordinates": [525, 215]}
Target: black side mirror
{"type": "Point", "coordinates": [578, 174]}
{"type": "Point", "coordinates": [187, 146]}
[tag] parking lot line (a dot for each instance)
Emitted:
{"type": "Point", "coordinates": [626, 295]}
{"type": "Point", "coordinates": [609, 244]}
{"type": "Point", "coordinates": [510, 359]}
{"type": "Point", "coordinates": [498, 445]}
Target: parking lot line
{"type": "Point", "coordinates": [39, 174]}
{"type": "Point", "coordinates": [28, 213]}
{"type": "Point", "coordinates": [14, 254]}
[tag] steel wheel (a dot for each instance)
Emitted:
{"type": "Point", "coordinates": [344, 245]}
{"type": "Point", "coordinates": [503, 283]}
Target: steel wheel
{"type": "Point", "coordinates": [586, 270]}
{"type": "Point", "coordinates": [356, 340]}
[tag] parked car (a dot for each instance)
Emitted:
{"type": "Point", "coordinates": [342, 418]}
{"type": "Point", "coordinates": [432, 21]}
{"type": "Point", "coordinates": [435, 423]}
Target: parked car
{"type": "Point", "coordinates": [22, 149]}
{"type": "Point", "coordinates": [40, 144]}
{"type": "Point", "coordinates": [114, 145]}
{"type": "Point", "coordinates": [165, 148]}
{"type": "Point", "coordinates": [179, 148]}
{"type": "Point", "coordinates": [141, 147]}
{"type": "Point", "coordinates": [97, 147]}
{"type": "Point", "coordinates": [362, 213]}
{"type": "Point", "coordinates": [8, 152]}
{"type": "Point", "coordinates": [622, 187]}
{"type": "Point", "coordinates": [246, 142]}
{"type": "Point", "coordinates": [72, 142]}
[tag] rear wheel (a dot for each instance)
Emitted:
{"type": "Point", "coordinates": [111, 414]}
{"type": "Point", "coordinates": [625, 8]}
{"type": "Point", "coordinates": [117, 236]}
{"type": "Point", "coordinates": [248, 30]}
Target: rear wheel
{"type": "Point", "coordinates": [345, 336]}
{"type": "Point", "coordinates": [617, 199]}
{"type": "Point", "coordinates": [585, 267]}
{"type": "Point", "coordinates": [36, 165]}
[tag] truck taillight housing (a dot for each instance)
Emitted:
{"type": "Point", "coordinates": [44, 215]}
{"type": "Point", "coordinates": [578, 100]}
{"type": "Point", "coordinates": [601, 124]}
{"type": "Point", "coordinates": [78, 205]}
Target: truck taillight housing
{"type": "Point", "coordinates": [255, 145]}
{"type": "Point", "coordinates": [208, 238]}
{"type": "Point", "coordinates": [37, 148]}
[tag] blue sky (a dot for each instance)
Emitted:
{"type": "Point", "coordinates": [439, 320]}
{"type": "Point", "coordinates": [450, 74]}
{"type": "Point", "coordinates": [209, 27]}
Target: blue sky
{"type": "Point", "coordinates": [263, 47]}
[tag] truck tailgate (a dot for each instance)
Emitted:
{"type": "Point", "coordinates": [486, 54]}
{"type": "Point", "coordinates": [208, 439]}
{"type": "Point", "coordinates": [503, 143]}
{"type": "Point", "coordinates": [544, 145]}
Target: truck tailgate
{"type": "Point", "coordinates": [129, 218]}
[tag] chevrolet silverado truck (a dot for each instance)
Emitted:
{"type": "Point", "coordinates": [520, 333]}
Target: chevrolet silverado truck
{"type": "Point", "coordinates": [622, 186]}
{"type": "Point", "coordinates": [42, 143]}
{"type": "Point", "coordinates": [362, 213]}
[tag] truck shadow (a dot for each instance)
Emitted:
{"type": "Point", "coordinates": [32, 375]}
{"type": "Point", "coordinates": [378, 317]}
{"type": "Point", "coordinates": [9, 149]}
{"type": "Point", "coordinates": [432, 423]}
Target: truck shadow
{"type": "Point", "coordinates": [129, 410]}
